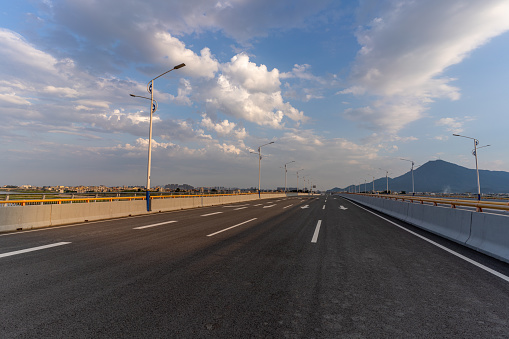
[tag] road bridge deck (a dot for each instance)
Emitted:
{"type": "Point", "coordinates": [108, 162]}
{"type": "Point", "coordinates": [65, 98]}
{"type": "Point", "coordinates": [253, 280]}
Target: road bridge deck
{"type": "Point", "coordinates": [293, 267]}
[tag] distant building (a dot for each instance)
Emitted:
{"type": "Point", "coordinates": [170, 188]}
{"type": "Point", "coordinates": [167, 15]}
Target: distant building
{"type": "Point", "coordinates": [288, 189]}
{"type": "Point", "coordinates": [184, 187]}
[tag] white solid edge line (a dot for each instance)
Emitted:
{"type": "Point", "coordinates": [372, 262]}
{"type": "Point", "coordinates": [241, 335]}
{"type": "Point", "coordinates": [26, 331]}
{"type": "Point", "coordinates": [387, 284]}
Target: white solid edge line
{"type": "Point", "coordinates": [154, 225]}
{"type": "Point", "coordinates": [206, 215]}
{"type": "Point", "coordinates": [8, 254]}
{"type": "Point", "coordinates": [226, 229]}
{"type": "Point", "coordinates": [487, 269]}
{"type": "Point", "coordinates": [317, 230]}
{"type": "Point", "coordinates": [288, 206]}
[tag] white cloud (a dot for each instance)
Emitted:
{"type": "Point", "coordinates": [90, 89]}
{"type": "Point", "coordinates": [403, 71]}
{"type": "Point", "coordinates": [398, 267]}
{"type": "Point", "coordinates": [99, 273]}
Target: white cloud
{"type": "Point", "coordinates": [454, 125]}
{"type": "Point", "coordinates": [247, 91]}
{"type": "Point", "coordinates": [441, 137]}
{"type": "Point", "coordinates": [222, 128]}
{"type": "Point", "coordinates": [23, 57]}
{"type": "Point", "coordinates": [95, 103]}
{"type": "Point", "coordinates": [229, 149]}
{"type": "Point", "coordinates": [61, 91]}
{"type": "Point", "coordinates": [184, 91]}
{"type": "Point", "coordinates": [253, 78]}
{"type": "Point", "coordinates": [407, 72]}
{"type": "Point", "coordinates": [12, 98]}
{"type": "Point", "coordinates": [168, 49]}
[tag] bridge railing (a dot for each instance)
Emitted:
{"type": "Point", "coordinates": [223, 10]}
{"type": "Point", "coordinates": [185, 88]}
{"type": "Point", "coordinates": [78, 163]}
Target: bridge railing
{"type": "Point", "coordinates": [453, 203]}
{"type": "Point", "coordinates": [59, 201]}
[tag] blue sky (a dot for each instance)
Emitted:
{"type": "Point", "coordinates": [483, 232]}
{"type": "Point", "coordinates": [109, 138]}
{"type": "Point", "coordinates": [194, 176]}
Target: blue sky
{"type": "Point", "coordinates": [343, 88]}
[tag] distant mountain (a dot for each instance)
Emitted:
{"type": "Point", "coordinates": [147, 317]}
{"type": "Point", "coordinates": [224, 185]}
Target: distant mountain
{"type": "Point", "coordinates": [440, 176]}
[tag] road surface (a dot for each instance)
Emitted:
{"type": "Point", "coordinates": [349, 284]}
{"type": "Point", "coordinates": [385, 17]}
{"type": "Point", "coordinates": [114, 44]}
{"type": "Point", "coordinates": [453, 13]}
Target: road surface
{"type": "Point", "coordinates": [317, 267]}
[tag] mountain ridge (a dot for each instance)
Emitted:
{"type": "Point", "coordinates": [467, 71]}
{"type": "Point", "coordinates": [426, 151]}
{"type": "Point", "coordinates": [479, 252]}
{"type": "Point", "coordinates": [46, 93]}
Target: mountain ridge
{"type": "Point", "coordinates": [439, 176]}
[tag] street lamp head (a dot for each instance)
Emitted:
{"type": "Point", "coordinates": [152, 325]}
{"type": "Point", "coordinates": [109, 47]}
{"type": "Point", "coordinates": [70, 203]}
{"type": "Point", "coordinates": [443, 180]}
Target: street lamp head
{"type": "Point", "coordinates": [132, 95]}
{"type": "Point", "coordinates": [457, 135]}
{"type": "Point", "coordinates": [179, 66]}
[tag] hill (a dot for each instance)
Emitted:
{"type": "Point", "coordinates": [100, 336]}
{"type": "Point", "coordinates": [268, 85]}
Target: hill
{"type": "Point", "coordinates": [440, 176]}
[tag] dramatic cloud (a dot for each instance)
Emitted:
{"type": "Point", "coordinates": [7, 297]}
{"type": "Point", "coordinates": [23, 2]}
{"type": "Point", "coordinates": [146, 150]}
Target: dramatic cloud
{"type": "Point", "coordinates": [403, 64]}
{"type": "Point", "coordinates": [247, 91]}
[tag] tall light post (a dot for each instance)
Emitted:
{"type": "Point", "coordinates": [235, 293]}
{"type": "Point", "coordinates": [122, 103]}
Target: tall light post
{"type": "Point", "coordinates": [476, 142]}
{"type": "Point", "coordinates": [413, 187]}
{"type": "Point", "coordinates": [260, 166]}
{"type": "Point", "coordinates": [373, 184]}
{"type": "Point", "coordinates": [302, 169]}
{"type": "Point", "coordinates": [287, 171]}
{"type": "Point", "coordinates": [386, 179]}
{"type": "Point", "coordinates": [150, 89]}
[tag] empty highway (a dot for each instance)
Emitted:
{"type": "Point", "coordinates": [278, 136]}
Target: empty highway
{"type": "Point", "coordinates": [307, 267]}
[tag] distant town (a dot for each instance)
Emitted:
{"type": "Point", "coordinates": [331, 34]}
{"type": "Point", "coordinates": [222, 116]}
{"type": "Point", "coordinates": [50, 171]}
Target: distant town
{"type": "Point", "coordinates": [130, 189]}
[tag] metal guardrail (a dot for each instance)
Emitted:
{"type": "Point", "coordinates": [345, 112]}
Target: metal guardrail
{"type": "Point", "coordinates": [107, 199]}
{"type": "Point", "coordinates": [479, 205]}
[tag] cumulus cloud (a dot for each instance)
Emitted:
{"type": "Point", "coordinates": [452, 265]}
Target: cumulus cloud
{"type": "Point", "coordinates": [184, 91]}
{"type": "Point", "coordinates": [407, 72]}
{"type": "Point", "coordinates": [222, 128]}
{"type": "Point", "coordinates": [166, 47]}
{"type": "Point", "coordinates": [240, 70]}
{"type": "Point", "coordinates": [454, 125]}
{"type": "Point", "coordinates": [247, 91]}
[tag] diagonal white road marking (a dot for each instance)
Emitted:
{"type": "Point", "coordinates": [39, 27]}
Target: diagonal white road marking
{"type": "Point", "coordinates": [153, 225]}
{"type": "Point", "coordinates": [226, 229]}
{"type": "Point", "coordinates": [8, 254]}
{"type": "Point", "coordinates": [206, 215]}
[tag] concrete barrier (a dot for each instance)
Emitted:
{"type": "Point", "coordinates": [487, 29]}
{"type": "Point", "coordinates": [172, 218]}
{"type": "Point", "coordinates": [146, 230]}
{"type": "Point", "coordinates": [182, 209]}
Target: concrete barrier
{"type": "Point", "coordinates": [484, 232]}
{"type": "Point", "coordinates": [16, 217]}
{"type": "Point", "coordinates": [451, 223]}
{"type": "Point", "coordinates": [490, 235]}
{"type": "Point", "coordinates": [13, 218]}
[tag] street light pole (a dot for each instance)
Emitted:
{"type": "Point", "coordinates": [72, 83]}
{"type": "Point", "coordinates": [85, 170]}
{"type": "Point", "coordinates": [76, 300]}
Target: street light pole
{"type": "Point", "coordinates": [413, 187]}
{"type": "Point", "coordinates": [287, 171]}
{"type": "Point", "coordinates": [386, 178]}
{"type": "Point", "coordinates": [260, 166]}
{"type": "Point", "coordinates": [298, 179]}
{"type": "Point", "coordinates": [150, 89]}
{"type": "Point", "coordinates": [476, 142]}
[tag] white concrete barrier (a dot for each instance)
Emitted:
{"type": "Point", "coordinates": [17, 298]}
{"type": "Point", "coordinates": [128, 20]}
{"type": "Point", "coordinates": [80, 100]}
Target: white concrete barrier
{"type": "Point", "coordinates": [485, 232]}
{"type": "Point", "coordinates": [14, 218]}
{"type": "Point", "coordinates": [490, 235]}
{"type": "Point", "coordinates": [17, 217]}
{"type": "Point", "coordinates": [450, 223]}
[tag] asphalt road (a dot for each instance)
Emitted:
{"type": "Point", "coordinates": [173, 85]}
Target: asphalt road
{"type": "Point", "coordinates": [290, 268]}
